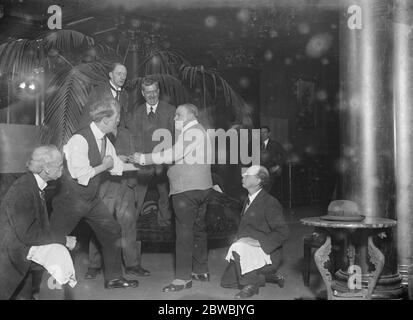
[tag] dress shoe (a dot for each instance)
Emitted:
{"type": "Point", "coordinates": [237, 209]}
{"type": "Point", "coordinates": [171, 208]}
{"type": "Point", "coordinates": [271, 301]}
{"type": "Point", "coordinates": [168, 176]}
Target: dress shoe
{"type": "Point", "coordinates": [247, 292]}
{"type": "Point", "coordinates": [275, 278]}
{"type": "Point", "coordinates": [177, 287]}
{"type": "Point", "coordinates": [91, 273]}
{"type": "Point", "coordinates": [200, 277]}
{"type": "Point", "coordinates": [231, 286]}
{"type": "Point", "coordinates": [121, 283]}
{"type": "Point", "coordinates": [138, 271]}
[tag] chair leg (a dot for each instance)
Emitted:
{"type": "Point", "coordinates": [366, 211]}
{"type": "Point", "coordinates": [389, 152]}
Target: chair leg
{"type": "Point", "coordinates": [307, 263]}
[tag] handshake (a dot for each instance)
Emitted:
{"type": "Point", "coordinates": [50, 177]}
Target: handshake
{"type": "Point", "coordinates": [136, 158]}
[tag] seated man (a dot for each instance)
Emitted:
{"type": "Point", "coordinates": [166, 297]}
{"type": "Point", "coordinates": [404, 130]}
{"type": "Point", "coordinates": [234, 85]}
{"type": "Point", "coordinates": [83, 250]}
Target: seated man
{"type": "Point", "coordinates": [257, 253]}
{"type": "Point", "coordinates": [24, 224]}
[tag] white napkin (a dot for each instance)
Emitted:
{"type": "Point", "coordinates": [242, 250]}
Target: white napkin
{"type": "Point", "coordinates": [252, 256]}
{"type": "Point", "coordinates": [56, 259]}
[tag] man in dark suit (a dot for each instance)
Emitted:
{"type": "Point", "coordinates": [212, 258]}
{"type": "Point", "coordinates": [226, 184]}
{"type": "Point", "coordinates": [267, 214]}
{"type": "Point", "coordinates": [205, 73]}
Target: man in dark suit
{"type": "Point", "coordinates": [257, 253]}
{"type": "Point", "coordinates": [24, 222]}
{"type": "Point", "coordinates": [111, 89]}
{"type": "Point", "coordinates": [145, 119]}
{"type": "Point", "coordinates": [272, 157]}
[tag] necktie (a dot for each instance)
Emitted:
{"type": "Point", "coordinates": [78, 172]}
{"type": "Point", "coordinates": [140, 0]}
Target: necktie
{"type": "Point", "coordinates": [151, 115]}
{"type": "Point", "coordinates": [43, 199]}
{"type": "Point", "coordinates": [42, 195]}
{"type": "Point", "coordinates": [247, 203]}
{"type": "Point", "coordinates": [117, 92]}
{"type": "Point", "coordinates": [103, 148]}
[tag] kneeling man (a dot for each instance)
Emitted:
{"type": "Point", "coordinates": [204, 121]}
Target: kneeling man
{"type": "Point", "coordinates": [257, 253]}
{"type": "Point", "coordinates": [24, 226]}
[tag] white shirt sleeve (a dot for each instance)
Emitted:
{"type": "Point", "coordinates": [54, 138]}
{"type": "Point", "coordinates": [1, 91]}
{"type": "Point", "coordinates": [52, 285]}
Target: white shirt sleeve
{"type": "Point", "coordinates": [76, 152]}
{"type": "Point", "coordinates": [117, 169]}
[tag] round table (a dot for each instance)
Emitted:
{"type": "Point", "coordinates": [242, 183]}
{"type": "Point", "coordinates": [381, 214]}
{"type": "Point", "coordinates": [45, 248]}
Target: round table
{"type": "Point", "coordinates": [361, 252]}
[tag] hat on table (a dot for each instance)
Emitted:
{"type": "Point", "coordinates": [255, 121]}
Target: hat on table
{"type": "Point", "coordinates": [343, 210]}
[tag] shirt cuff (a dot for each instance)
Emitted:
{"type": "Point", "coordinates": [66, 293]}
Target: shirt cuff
{"type": "Point", "coordinates": [142, 159]}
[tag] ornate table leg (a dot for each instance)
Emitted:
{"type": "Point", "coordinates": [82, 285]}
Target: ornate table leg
{"type": "Point", "coordinates": [377, 259]}
{"type": "Point", "coordinates": [321, 256]}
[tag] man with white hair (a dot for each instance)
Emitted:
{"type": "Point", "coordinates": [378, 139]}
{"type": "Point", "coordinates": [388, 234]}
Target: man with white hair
{"type": "Point", "coordinates": [24, 223]}
{"type": "Point", "coordinates": [88, 154]}
{"type": "Point", "coordinates": [257, 253]}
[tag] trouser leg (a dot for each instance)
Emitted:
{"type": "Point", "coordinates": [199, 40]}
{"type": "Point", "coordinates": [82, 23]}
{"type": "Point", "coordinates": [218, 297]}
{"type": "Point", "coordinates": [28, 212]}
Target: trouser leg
{"type": "Point", "coordinates": [127, 216]}
{"type": "Point", "coordinates": [164, 212]}
{"type": "Point", "coordinates": [108, 233]}
{"type": "Point", "coordinates": [95, 258]}
{"type": "Point", "coordinates": [229, 278]}
{"type": "Point", "coordinates": [249, 278]}
{"type": "Point", "coordinates": [187, 207]}
{"type": "Point", "coordinates": [107, 192]}
{"type": "Point", "coordinates": [141, 189]}
{"type": "Point", "coordinates": [200, 253]}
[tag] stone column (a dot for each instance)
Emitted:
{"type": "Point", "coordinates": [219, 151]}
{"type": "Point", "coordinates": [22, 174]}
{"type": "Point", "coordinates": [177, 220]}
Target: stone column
{"type": "Point", "coordinates": [403, 98]}
{"type": "Point", "coordinates": [366, 128]}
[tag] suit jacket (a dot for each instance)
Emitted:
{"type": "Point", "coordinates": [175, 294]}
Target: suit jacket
{"type": "Point", "coordinates": [100, 92]}
{"type": "Point", "coordinates": [264, 221]}
{"type": "Point", "coordinates": [273, 155]}
{"type": "Point", "coordinates": [24, 222]}
{"type": "Point", "coordinates": [142, 130]}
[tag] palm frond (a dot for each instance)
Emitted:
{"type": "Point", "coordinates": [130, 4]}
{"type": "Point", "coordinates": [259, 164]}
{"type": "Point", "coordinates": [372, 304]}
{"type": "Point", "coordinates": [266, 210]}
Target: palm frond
{"type": "Point", "coordinates": [198, 75]}
{"type": "Point", "coordinates": [69, 90]}
{"type": "Point", "coordinates": [66, 40]}
{"type": "Point", "coordinates": [162, 61]}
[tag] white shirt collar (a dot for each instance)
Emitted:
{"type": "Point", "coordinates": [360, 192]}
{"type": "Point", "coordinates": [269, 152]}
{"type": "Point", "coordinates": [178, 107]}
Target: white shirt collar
{"type": "Point", "coordinates": [189, 125]}
{"type": "Point", "coordinates": [253, 196]}
{"type": "Point", "coordinates": [266, 141]}
{"type": "Point", "coordinates": [114, 86]}
{"type": "Point", "coordinates": [40, 182]}
{"type": "Point", "coordinates": [96, 131]}
{"type": "Point", "coordinates": [148, 107]}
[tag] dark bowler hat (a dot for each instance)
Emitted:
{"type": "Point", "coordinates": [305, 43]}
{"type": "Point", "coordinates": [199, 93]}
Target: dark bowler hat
{"type": "Point", "coordinates": [343, 210]}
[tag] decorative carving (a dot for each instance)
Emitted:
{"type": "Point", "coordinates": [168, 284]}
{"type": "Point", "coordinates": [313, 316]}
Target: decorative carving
{"type": "Point", "coordinates": [321, 256]}
{"type": "Point", "coordinates": [377, 259]}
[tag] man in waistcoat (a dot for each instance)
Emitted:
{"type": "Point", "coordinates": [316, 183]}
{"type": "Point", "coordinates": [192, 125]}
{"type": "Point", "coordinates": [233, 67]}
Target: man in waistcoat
{"type": "Point", "coordinates": [190, 186]}
{"type": "Point", "coordinates": [88, 154]}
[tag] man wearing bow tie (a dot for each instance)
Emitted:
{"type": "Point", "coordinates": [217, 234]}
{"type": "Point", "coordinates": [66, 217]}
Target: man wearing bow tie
{"type": "Point", "coordinates": [110, 89]}
{"type": "Point", "coordinates": [24, 222]}
{"type": "Point", "coordinates": [145, 119]}
{"type": "Point", "coordinates": [89, 154]}
{"type": "Point", "coordinates": [257, 253]}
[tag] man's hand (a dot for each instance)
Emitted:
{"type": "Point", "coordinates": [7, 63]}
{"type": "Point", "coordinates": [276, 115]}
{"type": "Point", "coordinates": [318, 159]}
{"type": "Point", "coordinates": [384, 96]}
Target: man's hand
{"type": "Point", "coordinates": [123, 158]}
{"type": "Point", "coordinates": [136, 158]}
{"type": "Point", "coordinates": [107, 162]}
{"type": "Point", "coordinates": [70, 242]}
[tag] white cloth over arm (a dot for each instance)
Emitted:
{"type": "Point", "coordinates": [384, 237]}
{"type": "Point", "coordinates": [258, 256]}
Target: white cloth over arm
{"type": "Point", "coordinates": [252, 256]}
{"type": "Point", "coordinates": [56, 259]}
